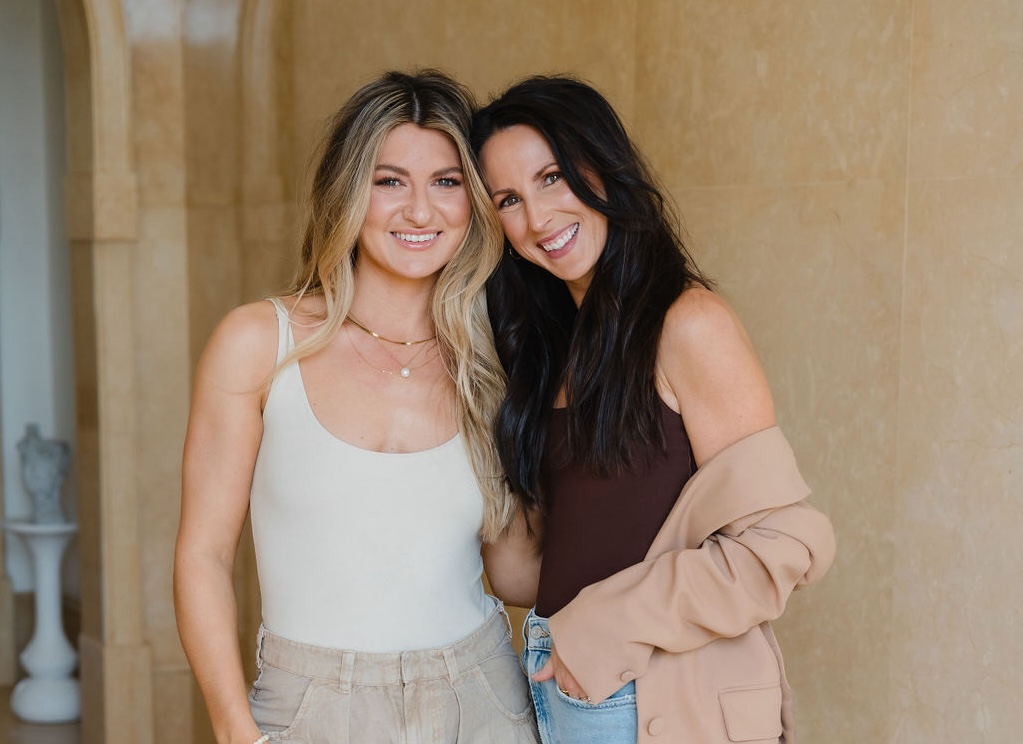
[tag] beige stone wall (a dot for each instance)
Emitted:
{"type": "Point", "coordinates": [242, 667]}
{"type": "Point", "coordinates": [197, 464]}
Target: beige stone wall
{"type": "Point", "coordinates": [849, 172]}
{"type": "Point", "coordinates": [957, 666]}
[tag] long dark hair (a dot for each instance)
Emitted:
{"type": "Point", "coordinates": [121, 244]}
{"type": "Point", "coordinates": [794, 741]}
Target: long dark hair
{"type": "Point", "coordinates": [604, 354]}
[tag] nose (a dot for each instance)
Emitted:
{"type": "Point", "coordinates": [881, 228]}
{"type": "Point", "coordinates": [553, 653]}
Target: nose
{"type": "Point", "coordinates": [537, 214]}
{"type": "Point", "coordinates": [418, 208]}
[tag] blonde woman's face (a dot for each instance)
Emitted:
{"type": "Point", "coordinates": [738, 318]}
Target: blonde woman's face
{"type": "Point", "coordinates": [419, 207]}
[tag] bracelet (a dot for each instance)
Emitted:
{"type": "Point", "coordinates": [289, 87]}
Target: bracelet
{"type": "Point", "coordinates": [262, 740]}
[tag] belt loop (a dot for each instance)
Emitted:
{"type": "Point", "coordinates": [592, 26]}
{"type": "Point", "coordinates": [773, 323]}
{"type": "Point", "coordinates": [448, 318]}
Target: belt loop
{"type": "Point", "coordinates": [451, 662]}
{"type": "Point", "coordinates": [347, 672]}
{"type": "Point", "coordinates": [507, 620]}
{"type": "Point", "coordinates": [260, 634]}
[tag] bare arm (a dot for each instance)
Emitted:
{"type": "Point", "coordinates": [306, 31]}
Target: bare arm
{"type": "Point", "coordinates": [224, 432]}
{"type": "Point", "coordinates": [512, 564]}
{"type": "Point", "coordinates": [707, 369]}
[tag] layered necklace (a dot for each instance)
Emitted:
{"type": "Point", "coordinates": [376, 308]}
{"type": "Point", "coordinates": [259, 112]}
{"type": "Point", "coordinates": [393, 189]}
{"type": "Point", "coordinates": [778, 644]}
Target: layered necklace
{"type": "Point", "coordinates": [405, 369]}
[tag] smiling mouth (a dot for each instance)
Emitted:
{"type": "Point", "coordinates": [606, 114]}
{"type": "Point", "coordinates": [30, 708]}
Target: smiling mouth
{"type": "Point", "coordinates": [558, 243]}
{"type": "Point", "coordinates": [410, 238]}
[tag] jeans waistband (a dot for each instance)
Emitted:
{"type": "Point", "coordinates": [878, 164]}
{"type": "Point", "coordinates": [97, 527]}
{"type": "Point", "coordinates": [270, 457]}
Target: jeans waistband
{"type": "Point", "coordinates": [376, 669]}
{"type": "Point", "coordinates": [536, 633]}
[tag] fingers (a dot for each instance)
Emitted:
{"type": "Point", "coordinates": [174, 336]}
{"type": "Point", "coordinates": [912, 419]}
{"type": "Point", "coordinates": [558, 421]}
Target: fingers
{"type": "Point", "coordinates": [567, 685]}
{"type": "Point", "coordinates": [546, 672]}
{"type": "Point", "coordinates": [574, 694]}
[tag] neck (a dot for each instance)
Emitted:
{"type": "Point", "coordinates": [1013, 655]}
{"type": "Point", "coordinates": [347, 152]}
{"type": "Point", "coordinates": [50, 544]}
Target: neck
{"type": "Point", "coordinates": [398, 310]}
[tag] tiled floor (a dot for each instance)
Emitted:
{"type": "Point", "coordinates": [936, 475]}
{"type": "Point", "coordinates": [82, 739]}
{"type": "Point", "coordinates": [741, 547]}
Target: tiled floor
{"type": "Point", "coordinates": [13, 731]}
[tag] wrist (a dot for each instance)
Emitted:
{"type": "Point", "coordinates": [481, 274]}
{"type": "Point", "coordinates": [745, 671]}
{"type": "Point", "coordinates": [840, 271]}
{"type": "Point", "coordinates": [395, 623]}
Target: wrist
{"type": "Point", "coordinates": [255, 736]}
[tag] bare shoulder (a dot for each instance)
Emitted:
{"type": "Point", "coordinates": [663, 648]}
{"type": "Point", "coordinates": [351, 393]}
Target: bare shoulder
{"type": "Point", "coordinates": [702, 335]}
{"type": "Point", "coordinates": [708, 366]}
{"type": "Point", "coordinates": [699, 317]}
{"type": "Point", "coordinates": [242, 350]}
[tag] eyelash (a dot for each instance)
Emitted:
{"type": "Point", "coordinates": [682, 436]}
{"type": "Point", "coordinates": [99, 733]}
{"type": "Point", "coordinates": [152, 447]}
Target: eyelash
{"type": "Point", "coordinates": [446, 182]}
{"type": "Point", "coordinates": [547, 179]}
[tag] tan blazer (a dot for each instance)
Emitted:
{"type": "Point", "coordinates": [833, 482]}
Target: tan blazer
{"type": "Point", "coordinates": [690, 623]}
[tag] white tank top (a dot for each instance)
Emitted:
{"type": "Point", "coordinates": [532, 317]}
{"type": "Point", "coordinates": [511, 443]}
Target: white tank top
{"type": "Point", "coordinates": [361, 550]}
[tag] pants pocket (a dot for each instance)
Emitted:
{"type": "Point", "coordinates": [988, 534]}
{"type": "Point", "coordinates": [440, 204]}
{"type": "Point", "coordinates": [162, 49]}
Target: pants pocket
{"type": "Point", "coordinates": [623, 697]}
{"type": "Point", "coordinates": [280, 700]}
{"type": "Point", "coordinates": [501, 679]}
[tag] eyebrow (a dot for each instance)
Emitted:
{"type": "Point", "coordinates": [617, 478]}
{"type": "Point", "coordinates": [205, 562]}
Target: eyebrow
{"type": "Point", "coordinates": [404, 172]}
{"type": "Point", "coordinates": [536, 175]}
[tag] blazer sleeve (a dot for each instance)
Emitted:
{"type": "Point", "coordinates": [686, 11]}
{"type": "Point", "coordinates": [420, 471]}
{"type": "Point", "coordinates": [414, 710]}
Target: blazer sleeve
{"type": "Point", "coordinates": [680, 600]}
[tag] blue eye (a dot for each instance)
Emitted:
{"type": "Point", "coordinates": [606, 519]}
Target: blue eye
{"type": "Point", "coordinates": [388, 182]}
{"type": "Point", "coordinates": [449, 182]}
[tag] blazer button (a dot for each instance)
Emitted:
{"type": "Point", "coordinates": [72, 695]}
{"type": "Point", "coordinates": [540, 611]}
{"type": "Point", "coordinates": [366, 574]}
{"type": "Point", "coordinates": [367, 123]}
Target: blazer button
{"type": "Point", "coordinates": [655, 727]}
{"type": "Point", "coordinates": [627, 676]}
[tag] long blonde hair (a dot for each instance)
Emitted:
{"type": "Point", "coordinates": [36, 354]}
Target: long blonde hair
{"type": "Point", "coordinates": [338, 204]}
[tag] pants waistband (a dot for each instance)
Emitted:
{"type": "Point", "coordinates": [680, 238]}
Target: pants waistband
{"type": "Point", "coordinates": [536, 632]}
{"type": "Point", "coordinates": [377, 669]}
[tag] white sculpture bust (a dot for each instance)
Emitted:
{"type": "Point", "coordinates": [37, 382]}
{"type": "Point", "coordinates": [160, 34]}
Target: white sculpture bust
{"type": "Point", "coordinates": [44, 464]}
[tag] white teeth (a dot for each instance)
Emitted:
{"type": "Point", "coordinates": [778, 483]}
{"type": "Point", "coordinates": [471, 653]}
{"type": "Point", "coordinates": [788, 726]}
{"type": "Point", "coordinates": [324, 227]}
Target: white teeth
{"type": "Point", "coordinates": [415, 238]}
{"type": "Point", "coordinates": [560, 242]}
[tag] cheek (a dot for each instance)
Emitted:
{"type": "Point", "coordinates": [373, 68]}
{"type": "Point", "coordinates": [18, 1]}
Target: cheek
{"type": "Point", "coordinates": [458, 212]}
{"type": "Point", "coordinates": [511, 223]}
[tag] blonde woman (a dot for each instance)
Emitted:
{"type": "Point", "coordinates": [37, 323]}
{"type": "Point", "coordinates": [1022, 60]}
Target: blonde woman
{"type": "Point", "coordinates": [354, 417]}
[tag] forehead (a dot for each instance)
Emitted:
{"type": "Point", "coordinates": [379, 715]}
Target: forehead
{"type": "Point", "coordinates": [516, 149]}
{"type": "Point", "coordinates": [411, 143]}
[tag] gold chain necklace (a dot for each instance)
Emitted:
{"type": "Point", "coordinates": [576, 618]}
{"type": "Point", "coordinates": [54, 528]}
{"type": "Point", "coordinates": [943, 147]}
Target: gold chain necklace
{"type": "Point", "coordinates": [378, 337]}
{"type": "Point", "coordinates": [404, 371]}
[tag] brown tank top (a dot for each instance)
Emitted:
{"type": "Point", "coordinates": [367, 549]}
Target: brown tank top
{"type": "Point", "coordinates": [598, 526]}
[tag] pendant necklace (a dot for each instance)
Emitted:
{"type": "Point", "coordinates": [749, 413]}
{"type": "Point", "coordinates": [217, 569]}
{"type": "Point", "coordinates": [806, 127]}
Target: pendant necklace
{"type": "Point", "coordinates": [404, 368]}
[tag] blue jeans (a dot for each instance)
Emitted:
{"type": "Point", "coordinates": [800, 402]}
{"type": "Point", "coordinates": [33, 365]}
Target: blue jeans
{"type": "Point", "coordinates": [565, 720]}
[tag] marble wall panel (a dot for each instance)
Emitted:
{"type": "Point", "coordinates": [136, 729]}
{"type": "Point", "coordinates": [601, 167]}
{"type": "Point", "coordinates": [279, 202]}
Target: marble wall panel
{"type": "Point", "coordinates": [213, 134]}
{"type": "Point", "coordinates": [159, 127]}
{"type": "Point", "coordinates": [213, 144]}
{"type": "Point", "coordinates": [587, 38]}
{"type": "Point", "coordinates": [957, 669]}
{"type": "Point", "coordinates": [215, 270]}
{"type": "Point", "coordinates": [163, 370]}
{"type": "Point", "coordinates": [160, 305]}
{"type": "Point", "coordinates": [815, 274]}
{"type": "Point", "coordinates": [763, 93]}
{"type": "Point", "coordinates": [338, 46]}
{"type": "Point", "coordinates": [173, 690]}
{"type": "Point", "coordinates": [967, 78]}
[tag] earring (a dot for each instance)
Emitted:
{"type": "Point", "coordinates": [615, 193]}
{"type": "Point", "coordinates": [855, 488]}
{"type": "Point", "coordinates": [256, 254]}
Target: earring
{"type": "Point", "coordinates": [514, 256]}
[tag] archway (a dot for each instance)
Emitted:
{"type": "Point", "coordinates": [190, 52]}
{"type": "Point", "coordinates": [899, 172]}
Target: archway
{"type": "Point", "coordinates": [101, 222]}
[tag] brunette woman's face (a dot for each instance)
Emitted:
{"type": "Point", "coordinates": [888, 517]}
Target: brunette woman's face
{"type": "Point", "coordinates": [419, 208]}
{"type": "Point", "coordinates": [546, 223]}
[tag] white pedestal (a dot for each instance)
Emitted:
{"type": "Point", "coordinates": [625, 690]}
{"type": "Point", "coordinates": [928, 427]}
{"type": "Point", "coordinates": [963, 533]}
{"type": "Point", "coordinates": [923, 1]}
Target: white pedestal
{"type": "Point", "coordinates": [49, 694]}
